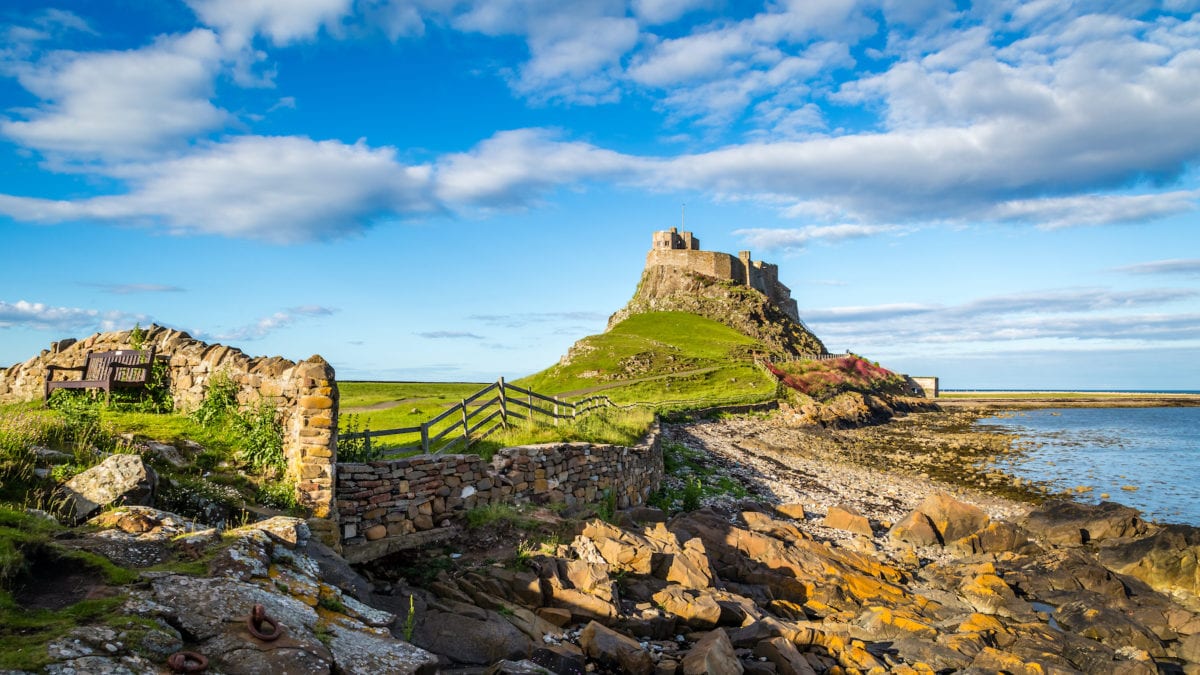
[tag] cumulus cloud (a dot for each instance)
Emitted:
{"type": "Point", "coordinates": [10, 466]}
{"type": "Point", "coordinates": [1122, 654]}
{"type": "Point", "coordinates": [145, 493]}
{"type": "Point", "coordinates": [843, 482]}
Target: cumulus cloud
{"type": "Point", "coordinates": [120, 104]}
{"type": "Point", "coordinates": [512, 167]}
{"type": "Point", "coordinates": [283, 21]}
{"type": "Point", "coordinates": [281, 189]}
{"type": "Point", "coordinates": [40, 316]}
{"type": "Point", "coordinates": [266, 325]}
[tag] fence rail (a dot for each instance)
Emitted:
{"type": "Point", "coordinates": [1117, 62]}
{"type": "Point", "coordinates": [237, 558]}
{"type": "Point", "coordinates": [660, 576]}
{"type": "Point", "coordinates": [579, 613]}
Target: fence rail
{"type": "Point", "coordinates": [471, 420]}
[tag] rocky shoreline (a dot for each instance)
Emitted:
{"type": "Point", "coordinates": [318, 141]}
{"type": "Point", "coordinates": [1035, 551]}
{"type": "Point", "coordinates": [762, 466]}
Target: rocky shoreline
{"type": "Point", "coordinates": [887, 548]}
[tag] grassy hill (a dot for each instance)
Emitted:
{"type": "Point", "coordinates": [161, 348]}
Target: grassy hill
{"type": "Point", "coordinates": [660, 357]}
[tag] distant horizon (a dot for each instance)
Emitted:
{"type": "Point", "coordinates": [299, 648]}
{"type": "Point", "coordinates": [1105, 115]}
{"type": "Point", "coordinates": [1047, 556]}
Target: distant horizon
{"type": "Point", "coordinates": [990, 193]}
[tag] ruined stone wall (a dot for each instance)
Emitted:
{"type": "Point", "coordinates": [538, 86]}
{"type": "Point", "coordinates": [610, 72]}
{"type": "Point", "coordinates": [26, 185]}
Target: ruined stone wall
{"type": "Point", "coordinates": [305, 393]}
{"type": "Point", "coordinates": [390, 499]}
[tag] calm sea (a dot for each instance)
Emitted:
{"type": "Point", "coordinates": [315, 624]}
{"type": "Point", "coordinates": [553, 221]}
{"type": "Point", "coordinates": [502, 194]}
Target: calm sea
{"type": "Point", "coordinates": [1147, 458]}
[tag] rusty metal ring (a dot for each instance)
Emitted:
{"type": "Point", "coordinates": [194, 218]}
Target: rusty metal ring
{"type": "Point", "coordinates": [187, 662]}
{"type": "Point", "coordinates": [257, 619]}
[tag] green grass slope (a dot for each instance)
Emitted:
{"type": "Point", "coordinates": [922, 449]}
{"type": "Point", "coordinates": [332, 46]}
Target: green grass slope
{"type": "Point", "coordinates": [660, 357]}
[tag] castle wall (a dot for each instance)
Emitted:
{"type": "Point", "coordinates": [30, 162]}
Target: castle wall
{"type": "Point", "coordinates": [672, 249]}
{"type": "Point", "coordinates": [710, 263]}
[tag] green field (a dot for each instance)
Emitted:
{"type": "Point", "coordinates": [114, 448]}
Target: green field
{"type": "Point", "coordinates": [661, 357]}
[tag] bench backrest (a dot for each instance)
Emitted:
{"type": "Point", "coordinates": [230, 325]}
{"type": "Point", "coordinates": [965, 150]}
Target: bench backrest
{"type": "Point", "coordinates": [98, 365]}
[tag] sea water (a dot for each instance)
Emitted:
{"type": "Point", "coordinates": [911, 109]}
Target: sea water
{"type": "Point", "coordinates": [1147, 458]}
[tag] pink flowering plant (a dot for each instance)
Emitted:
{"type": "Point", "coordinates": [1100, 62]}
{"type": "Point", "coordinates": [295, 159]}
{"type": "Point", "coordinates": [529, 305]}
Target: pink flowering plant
{"type": "Point", "coordinates": [823, 380]}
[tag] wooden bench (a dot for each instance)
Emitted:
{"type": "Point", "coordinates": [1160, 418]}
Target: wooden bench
{"type": "Point", "coordinates": [126, 368]}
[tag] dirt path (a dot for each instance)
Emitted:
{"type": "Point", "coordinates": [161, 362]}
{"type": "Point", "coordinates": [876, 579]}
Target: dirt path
{"type": "Point", "coordinates": [622, 383]}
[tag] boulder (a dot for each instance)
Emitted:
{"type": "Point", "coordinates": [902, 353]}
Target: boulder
{"type": "Point", "coordinates": [792, 510]}
{"type": "Point", "coordinates": [695, 608]}
{"type": "Point", "coordinates": [761, 522]}
{"type": "Point", "coordinates": [562, 659]}
{"type": "Point", "coordinates": [479, 638]}
{"type": "Point", "coordinates": [783, 654]}
{"type": "Point", "coordinates": [1166, 561]}
{"type": "Point", "coordinates": [848, 519]}
{"type": "Point", "coordinates": [915, 529]}
{"type": "Point", "coordinates": [1108, 626]}
{"type": "Point", "coordinates": [952, 519]}
{"type": "Point", "coordinates": [119, 479]}
{"type": "Point", "coordinates": [688, 568]}
{"type": "Point", "coordinates": [997, 537]}
{"type": "Point", "coordinates": [615, 650]}
{"type": "Point", "coordinates": [1066, 523]}
{"type": "Point", "coordinates": [712, 655]}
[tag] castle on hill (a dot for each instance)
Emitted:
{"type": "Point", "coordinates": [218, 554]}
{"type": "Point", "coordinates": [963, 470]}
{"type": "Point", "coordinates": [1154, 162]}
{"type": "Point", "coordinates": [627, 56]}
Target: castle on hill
{"type": "Point", "coordinates": [681, 250]}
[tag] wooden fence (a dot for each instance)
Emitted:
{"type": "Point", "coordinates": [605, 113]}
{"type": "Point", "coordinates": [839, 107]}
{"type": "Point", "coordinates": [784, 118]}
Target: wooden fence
{"type": "Point", "coordinates": [468, 420]}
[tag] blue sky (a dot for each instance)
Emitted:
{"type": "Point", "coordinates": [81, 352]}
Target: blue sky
{"type": "Point", "coordinates": [1003, 194]}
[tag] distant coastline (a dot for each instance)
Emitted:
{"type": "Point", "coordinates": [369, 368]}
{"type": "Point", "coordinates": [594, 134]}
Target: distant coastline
{"type": "Point", "coordinates": [1017, 399]}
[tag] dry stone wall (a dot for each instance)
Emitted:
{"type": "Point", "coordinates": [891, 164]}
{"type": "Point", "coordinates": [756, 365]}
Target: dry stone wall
{"type": "Point", "coordinates": [392, 499]}
{"type": "Point", "coordinates": [305, 393]}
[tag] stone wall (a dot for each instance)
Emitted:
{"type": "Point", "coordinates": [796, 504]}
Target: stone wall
{"type": "Point", "coordinates": [305, 393]}
{"type": "Point", "coordinates": [378, 501]}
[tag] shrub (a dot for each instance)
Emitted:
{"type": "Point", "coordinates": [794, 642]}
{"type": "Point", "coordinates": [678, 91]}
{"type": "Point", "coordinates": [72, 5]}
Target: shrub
{"type": "Point", "coordinates": [355, 449]}
{"type": "Point", "coordinates": [261, 432]}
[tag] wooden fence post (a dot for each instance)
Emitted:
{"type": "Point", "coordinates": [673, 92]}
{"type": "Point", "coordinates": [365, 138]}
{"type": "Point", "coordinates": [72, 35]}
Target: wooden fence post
{"type": "Point", "coordinates": [466, 423]}
{"type": "Point", "coordinates": [503, 404]}
{"type": "Point", "coordinates": [424, 438]}
{"type": "Point", "coordinates": [555, 411]}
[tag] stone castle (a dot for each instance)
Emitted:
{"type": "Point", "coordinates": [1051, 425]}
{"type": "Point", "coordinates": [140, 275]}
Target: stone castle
{"type": "Point", "coordinates": [681, 250]}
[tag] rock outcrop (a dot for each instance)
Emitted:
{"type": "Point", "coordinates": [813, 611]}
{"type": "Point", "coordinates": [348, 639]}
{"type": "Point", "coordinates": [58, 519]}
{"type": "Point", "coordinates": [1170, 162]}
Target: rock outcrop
{"type": "Point", "coordinates": [309, 626]}
{"type": "Point", "coordinates": [121, 479]}
{"type": "Point", "coordinates": [761, 597]}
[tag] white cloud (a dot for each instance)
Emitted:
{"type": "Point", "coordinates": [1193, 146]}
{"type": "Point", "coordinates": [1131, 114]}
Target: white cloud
{"type": "Point", "coordinates": [121, 104]}
{"type": "Point", "coordinates": [1078, 316]}
{"type": "Point", "coordinates": [127, 289]}
{"type": "Point", "coordinates": [574, 47]}
{"type": "Point", "coordinates": [1189, 267]}
{"type": "Point", "coordinates": [449, 335]}
{"type": "Point", "coordinates": [765, 238]}
{"type": "Point", "coordinates": [266, 325]}
{"type": "Point", "coordinates": [1055, 213]}
{"type": "Point", "coordinates": [283, 21]}
{"type": "Point", "coordinates": [40, 316]}
{"type": "Point", "coordinates": [665, 11]}
{"type": "Point", "coordinates": [280, 189]}
{"type": "Point", "coordinates": [512, 167]}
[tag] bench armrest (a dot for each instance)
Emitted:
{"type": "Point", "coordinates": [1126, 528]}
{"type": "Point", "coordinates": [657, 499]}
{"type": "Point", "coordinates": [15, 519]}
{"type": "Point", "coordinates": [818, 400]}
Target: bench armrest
{"type": "Point", "coordinates": [53, 368]}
